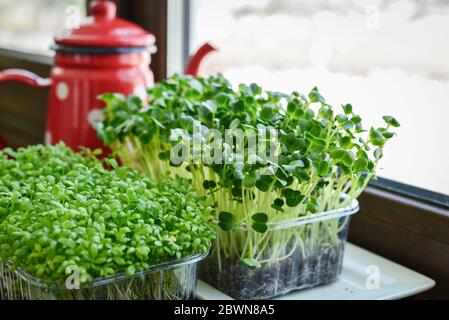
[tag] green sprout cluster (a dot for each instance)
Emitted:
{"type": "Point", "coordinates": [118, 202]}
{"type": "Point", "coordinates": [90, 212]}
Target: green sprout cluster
{"type": "Point", "coordinates": [322, 153]}
{"type": "Point", "coordinates": [61, 209]}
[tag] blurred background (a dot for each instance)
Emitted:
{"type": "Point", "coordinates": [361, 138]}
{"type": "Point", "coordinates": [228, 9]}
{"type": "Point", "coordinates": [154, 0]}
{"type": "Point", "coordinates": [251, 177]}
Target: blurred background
{"type": "Point", "coordinates": [383, 56]}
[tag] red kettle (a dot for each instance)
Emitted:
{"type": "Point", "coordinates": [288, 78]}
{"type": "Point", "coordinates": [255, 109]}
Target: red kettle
{"type": "Point", "coordinates": [105, 54]}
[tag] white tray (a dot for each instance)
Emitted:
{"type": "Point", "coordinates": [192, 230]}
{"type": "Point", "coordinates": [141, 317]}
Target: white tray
{"type": "Point", "coordinates": [355, 283]}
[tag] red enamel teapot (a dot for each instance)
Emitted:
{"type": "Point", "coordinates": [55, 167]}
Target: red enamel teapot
{"type": "Point", "coordinates": [105, 54]}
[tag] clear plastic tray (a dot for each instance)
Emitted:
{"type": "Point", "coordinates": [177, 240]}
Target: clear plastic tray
{"type": "Point", "coordinates": [296, 254]}
{"type": "Point", "coordinates": [174, 280]}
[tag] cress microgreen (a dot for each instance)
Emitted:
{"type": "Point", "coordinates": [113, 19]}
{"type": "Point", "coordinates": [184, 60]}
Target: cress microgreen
{"type": "Point", "coordinates": [59, 208]}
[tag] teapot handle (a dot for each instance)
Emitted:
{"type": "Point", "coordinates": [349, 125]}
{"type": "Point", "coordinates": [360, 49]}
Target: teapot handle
{"type": "Point", "coordinates": [25, 77]}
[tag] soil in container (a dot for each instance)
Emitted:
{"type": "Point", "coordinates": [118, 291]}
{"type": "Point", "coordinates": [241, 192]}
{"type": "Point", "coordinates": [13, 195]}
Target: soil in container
{"type": "Point", "coordinates": [297, 255]}
{"type": "Point", "coordinates": [277, 278]}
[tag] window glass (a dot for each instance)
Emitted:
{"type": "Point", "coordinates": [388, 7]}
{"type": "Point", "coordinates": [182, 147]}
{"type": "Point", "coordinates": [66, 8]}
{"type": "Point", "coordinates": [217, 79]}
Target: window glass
{"type": "Point", "coordinates": [30, 25]}
{"type": "Point", "coordinates": [386, 57]}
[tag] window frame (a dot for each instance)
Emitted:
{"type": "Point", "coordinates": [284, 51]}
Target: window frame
{"type": "Point", "coordinates": [413, 192]}
{"type": "Point", "coordinates": [151, 15]}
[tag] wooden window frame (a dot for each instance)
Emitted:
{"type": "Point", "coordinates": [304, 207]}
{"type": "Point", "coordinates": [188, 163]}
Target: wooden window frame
{"type": "Point", "coordinates": [23, 110]}
{"type": "Point", "coordinates": [150, 15]}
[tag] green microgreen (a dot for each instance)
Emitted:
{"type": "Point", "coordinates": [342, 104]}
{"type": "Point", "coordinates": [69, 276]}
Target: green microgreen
{"type": "Point", "coordinates": [321, 152]}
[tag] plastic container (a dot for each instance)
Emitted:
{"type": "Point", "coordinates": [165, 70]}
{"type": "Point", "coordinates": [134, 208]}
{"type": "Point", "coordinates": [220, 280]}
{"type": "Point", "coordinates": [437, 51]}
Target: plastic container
{"type": "Point", "coordinates": [293, 255]}
{"type": "Point", "coordinates": [174, 280]}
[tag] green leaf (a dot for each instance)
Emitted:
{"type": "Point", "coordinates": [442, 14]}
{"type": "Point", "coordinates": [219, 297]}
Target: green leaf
{"type": "Point", "coordinates": [347, 108]}
{"type": "Point", "coordinates": [238, 175]}
{"type": "Point", "coordinates": [359, 164]}
{"type": "Point", "coordinates": [158, 123]}
{"type": "Point", "coordinates": [142, 252]}
{"type": "Point", "coordinates": [249, 181]}
{"type": "Point", "coordinates": [145, 137]}
{"type": "Point", "coordinates": [251, 263]}
{"type": "Point", "coordinates": [97, 152]}
{"type": "Point", "coordinates": [376, 137]}
{"type": "Point", "coordinates": [378, 153]}
{"type": "Point", "coordinates": [362, 154]}
{"type": "Point", "coordinates": [165, 155]}
{"type": "Point", "coordinates": [227, 217]}
{"type": "Point", "coordinates": [222, 98]}
{"type": "Point", "coordinates": [238, 106]}
{"type": "Point", "coordinates": [131, 270]}
{"type": "Point", "coordinates": [210, 106]}
{"type": "Point", "coordinates": [260, 227]}
{"type": "Point", "coordinates": [291, 107]}
{"type": "Point", "coordinates": [326, 112]}
{"type": "Point", "coordinates": [312, 205]}
{"type": "Point", "coordinates": [297, 163]}
{"type": "Point", "coordinates": [294, 143]}
{"type": "Point", "coordinates": [346, 142]}
{"type": "Point", "coordinates": [255, 89]}
{"type": "Point", "coordinates": [323, 168]}
{"type": "Point", "coordinates": [341, 118]}
{"type": "Point", "coordinates": [260, 217]}
{"type": "Point", "coordinates": [391, 121]}
{"type": "Point", "coordinates": [356, 119]}
{"type": "Point", "coordinates": [209, 184]}
{"type": "Point", "coordinates": [301, 174]}
{"type": "Point", "coordinates": [386, 134]}
{"type": "Point", "coordinates": [291, 167]}
{"type": "Point", "coordinates": [348, 125]}
{"type": "Point", "coordinates": [337, 153]}
{"type": "Point", "coordinates": [315, 140]}
{"type": "Point", "coordinates": [113, 163]}
{"type": "Point", "coordinates": [292, 197]}
{"type": "Point", "coordinates": [267, 112]}
{"type": "Point", "coordinates": [262, 186]}
{"type": "Point", "coordinates": [277, 204]}
{"type": "Point", "coordinates": [348, 158]}
{"type": "Point", "coordinates": [227, 220]}
{"type": "Point", "coordinates": [315, 96]}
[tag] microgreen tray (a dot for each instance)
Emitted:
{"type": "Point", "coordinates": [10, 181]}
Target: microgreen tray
{"type": "Point", "coordinates": [175, 280]}
{"type": "Point", "coordinates": [293, 255]}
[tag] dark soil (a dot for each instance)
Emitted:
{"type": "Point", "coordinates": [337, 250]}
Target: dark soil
{"type": "Point", "coordinates": [278, 278]}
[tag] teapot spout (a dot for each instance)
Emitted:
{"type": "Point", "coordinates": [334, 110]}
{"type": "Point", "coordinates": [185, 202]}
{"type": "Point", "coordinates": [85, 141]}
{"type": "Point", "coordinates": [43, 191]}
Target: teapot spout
{"type": "Point", "coordinates": [25, 77]}
{"type": "Point", "coordinates": [195, 60]}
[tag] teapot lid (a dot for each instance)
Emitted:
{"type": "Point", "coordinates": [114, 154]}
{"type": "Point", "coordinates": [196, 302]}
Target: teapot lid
{"type": "Point", "coordinates": [103, 29]}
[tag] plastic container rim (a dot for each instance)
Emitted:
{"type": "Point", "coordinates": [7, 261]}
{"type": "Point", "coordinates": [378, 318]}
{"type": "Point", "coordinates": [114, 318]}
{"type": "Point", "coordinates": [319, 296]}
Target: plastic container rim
{"type": "Point", "coordinates": [121, 276]}
{"type": "Point", "coordinates": [348, 210]}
